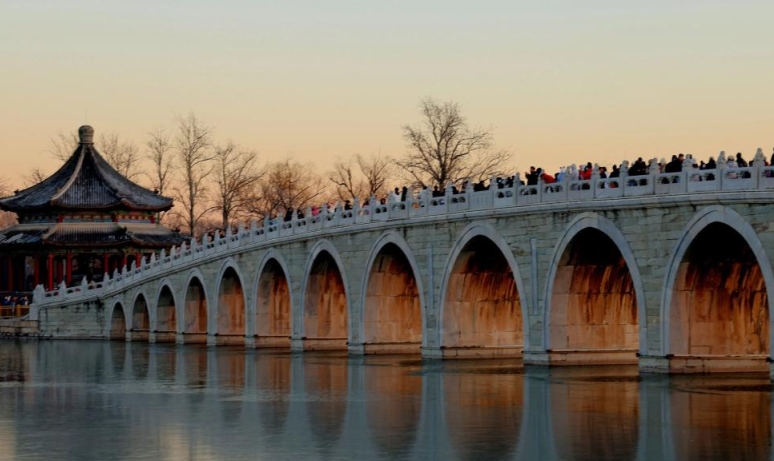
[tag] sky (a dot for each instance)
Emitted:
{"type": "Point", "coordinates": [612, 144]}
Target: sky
{"type": "Point", "coordinates": [557, 81]}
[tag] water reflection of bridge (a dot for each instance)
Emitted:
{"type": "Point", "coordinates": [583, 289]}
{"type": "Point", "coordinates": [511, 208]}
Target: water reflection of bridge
{"type": "Point", "coordinates": [223, 403]}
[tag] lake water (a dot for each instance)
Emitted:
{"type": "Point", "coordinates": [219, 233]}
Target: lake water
{"type": "Point", "coordinates": [129, 401]}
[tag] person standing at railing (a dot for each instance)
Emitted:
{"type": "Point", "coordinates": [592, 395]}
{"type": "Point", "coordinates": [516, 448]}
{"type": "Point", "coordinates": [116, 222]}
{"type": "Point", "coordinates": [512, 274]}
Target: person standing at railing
{"type": "Point", "coordinates": [731, 163]}
{"type": "Point", "coordinates": [742, 163]}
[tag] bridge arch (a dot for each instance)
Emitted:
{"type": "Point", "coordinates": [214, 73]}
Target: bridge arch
{"type": "Point", "coordinates": [194, 311]}
{"type": "Point", "coordinates": [141, 318]}
{"type": "Point", "coordinates": [475, 240]}
{"type": "Point", "coordinates": [166, 324]}
{"type": "Point", "coordinates": [683, 298]}
{"type": "Point", "coordinates": [273, 316]}
{"type": "Point", "coordinates": [613, 327]}
{"type": "Point", "coordinates": [325, 318]}
{"type": "Point", "coordinates": [116, 327]}
{"type": "Point", "coordinates": [395, 317]}
{"type": "Point", "coordinates": [231, 309]}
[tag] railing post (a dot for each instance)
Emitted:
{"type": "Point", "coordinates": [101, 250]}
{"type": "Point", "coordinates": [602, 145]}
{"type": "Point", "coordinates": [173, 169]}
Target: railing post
{"type": "Point", "coordinates": [721, 166]}
{"type": "Point", "coordinates": [759, 161]}
{"type": "Point", "coordinates": [594, 180]}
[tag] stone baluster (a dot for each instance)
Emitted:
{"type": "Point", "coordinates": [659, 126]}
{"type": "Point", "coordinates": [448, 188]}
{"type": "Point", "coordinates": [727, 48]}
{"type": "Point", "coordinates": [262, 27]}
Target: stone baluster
{"type": "Point", "coordinates": [654, 169]}
{"type": "Point", "coordinates": [623, 174]}
{"type": "Point", "coordinates": [758, 163]}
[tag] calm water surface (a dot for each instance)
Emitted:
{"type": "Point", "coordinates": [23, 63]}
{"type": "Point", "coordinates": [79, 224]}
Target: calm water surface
{"type": "Point", "coordinates": [116, 401]}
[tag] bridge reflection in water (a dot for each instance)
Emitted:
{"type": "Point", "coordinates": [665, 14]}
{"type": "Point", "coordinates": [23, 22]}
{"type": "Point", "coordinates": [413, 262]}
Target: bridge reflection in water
{"type": "Point", "coordinates": [100, 400]}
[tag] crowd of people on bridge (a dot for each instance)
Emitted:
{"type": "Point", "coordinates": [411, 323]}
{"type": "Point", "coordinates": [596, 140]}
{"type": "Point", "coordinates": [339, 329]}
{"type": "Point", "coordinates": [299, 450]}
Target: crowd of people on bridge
{"type": "Point", "coordinates": [639, 167]}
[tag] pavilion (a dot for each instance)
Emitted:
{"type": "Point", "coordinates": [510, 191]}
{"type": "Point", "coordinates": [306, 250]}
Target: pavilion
{"type": "Point", "coordinates": [83, 221]}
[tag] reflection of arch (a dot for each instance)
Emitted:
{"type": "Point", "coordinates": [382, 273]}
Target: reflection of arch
{"type": "Point", "coordinates": [502, 330]}
{"type": "Point", "coordinates": [708, 223]}
{"type": "Point", "coordinates": [720, 418]}
{"type": "Point", "coordinates": [166, 312]}
{"type": "Point", "coordinates": [194, 310]}
{"type": "Point", "coordinates": [273, 301]}
{"type": "Point", "coordinates": [117, 326]}
{"type": "Point", "coordinates": [596, 412]}
{"type": "Point", "coordinates": [327, 381]}
{"type": "Point", "coordinates": [325, 299]}
{"type": "Point", "coordinates": [394, 416]}
{"type": "Point", "coordinates": [166, 365]}
{"type": "Point", "coordinates": [231, 381]}
{"type": "Point", "coordinates": [273, 376]}
{"type": "Point", "coordinates": [231, 308]}
{"type": "Point", "coordinates": [483, 412]}
{"type": "Point", "coordinates": [616, 324]}
{"type": "Point", "coordinates": [140, 326]}
{"type": "Point", "coordinates": [400, 317]}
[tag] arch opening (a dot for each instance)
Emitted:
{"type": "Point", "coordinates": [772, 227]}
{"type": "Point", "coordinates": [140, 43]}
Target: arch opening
{"type": "Point", "coordinates": [593, 303]}
{"type": "Point", "coordinates": [392, 311]}
{"type": "Point", "coordinates": [140, 319]}
{"type": "Point", "coordinates": [231, 309]}
{"type": "Point", "coordinates": [272, 307]}
{"type": "Point", "coordinates": [325, 309]}
{"type": "Point", "coordinates": [118, 323]}
{"type": "Point", "coordinates": [482, 311]}
{"type": "Point", "coordinates": [195, 313]}
{"type": "Point", "coordinates": [719, 304]}
{"type": "Point", "coordinates": [166, 320]}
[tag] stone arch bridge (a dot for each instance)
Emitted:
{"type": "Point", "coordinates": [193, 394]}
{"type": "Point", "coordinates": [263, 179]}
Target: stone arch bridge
{"type": "Point", "coordinates": [671, 271]}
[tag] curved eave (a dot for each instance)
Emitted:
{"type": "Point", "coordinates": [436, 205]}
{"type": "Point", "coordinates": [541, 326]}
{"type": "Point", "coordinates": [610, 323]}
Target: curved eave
{"type": "Point", "coordinates": [86, 181]}
{"type": "Point", "coordinates": [123, 204]}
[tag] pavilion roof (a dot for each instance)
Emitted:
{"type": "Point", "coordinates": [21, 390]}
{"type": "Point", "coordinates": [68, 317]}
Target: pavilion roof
{"type": "Point", "coordinates": [89, 235]}
{"type": "Point", "coordinates": [85, 182]}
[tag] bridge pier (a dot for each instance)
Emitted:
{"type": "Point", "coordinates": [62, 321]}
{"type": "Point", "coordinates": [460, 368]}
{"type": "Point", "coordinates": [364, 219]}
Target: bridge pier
{"type": "Point", "coordinates": [581, 357]}
{"type": "Point", "coordinates": [683, 364]}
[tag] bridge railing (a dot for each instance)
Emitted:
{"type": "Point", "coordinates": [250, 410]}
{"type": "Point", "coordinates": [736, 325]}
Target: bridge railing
{"type": "Point", "coordinates": [690, 181]}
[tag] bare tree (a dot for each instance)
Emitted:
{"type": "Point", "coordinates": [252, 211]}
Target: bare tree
{"type": "Point", "coordinates": [361, 177]}
{"type": "Point", "coordinates": [6, 217]}
{"type": "Point", "coordinates": [236, 172]}
{"type": "Point", "coordinates": [286, 184]}
{"type": "Point", "coordinates": [344, 177]}
{"type": "Point", "coordinates": [193, 147]}
{"type": "Point", "coordinates": [160, 152]}
{"type": "Point", "coordinates": [375, 169]}
{"type": "Point", "coordinates": [62, 146]}
{"type": "Point", "coordinates": [121, 155]}
{"type": "Point", "coordinates": [35, 176]}
{"type": "Point", "coordinates": [444, 149]}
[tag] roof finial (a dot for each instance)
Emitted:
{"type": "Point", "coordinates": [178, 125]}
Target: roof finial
{"type": "Point", "coordinates": [86, 134]}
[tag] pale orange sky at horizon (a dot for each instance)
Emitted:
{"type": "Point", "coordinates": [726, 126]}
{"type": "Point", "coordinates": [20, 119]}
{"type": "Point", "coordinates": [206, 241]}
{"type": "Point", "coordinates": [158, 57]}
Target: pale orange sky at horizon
{"type": "Point", "coordinates": [558, 82]}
